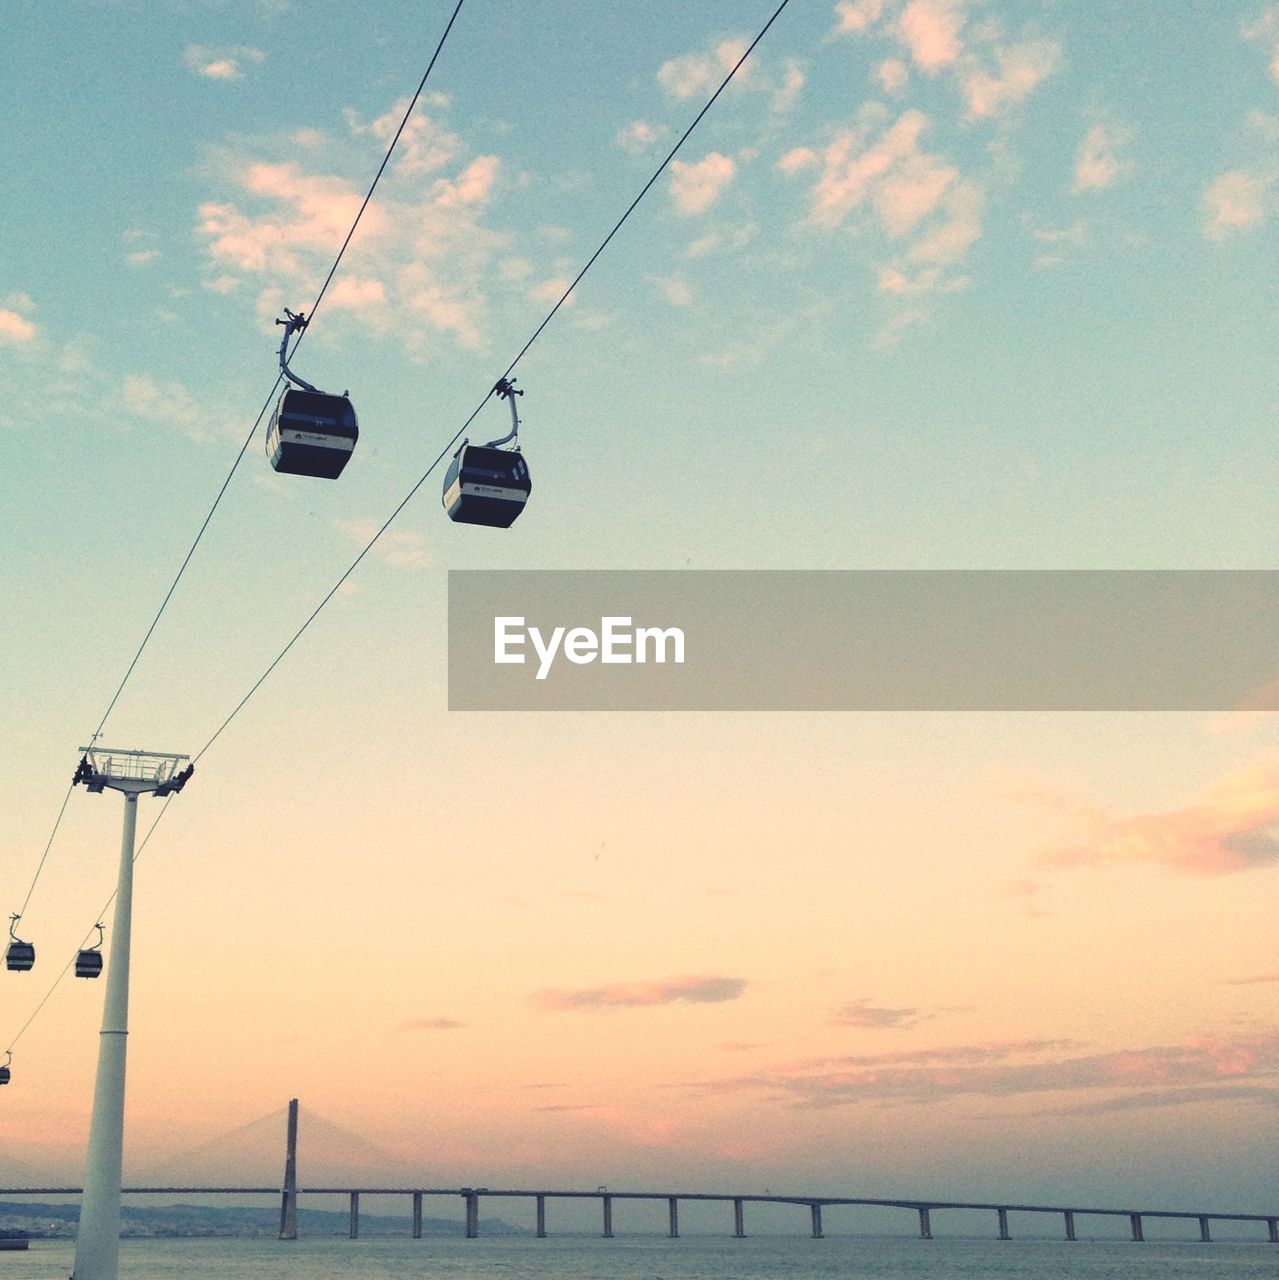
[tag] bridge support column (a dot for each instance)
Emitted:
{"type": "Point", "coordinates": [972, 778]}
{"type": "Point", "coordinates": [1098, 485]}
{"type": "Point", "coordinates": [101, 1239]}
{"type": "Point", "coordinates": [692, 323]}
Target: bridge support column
{"type": "Point", "coordinates": [472, 1215]}
{"type": "Point", "coordinates": [608, 1217]}
{"type": "Point", "coordinates": [289, 1200]}
{"type": "Point", "coordinates": [925, 1226]}
{"type": "Point", "coordinates": [739, 1219]}
{"type": "Point", "coordinates": [417, 1215]}
{"type": "Point", "coordinates": [353, 1232]}
{"type": "Point", "coordinates": [817, 1220]}
{"type": "Point", "coordinates": [1003, 1224]}
{"type": "Point", "coordinates": [1070, 1225]}
{"type": "Point", "coordinates": [674, 1208]}
{"type": "Point", "coordinates": [1273, 1224]}
{"type": "Point", "coordinates": [541, 1217]}
{"type": "Point", "coordinates": [1137, 1233]}
{"type": "Point", "coordinates": [1205, 1234]}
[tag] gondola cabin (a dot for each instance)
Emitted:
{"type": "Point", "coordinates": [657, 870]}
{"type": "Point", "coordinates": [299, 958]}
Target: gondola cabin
{"type": "Point", "coordinates": [4, 1075]}
{"type": "Point", "coordinates": [488, 486]}
{"type": "Point", "coordinates": [312, 434]}
{"type": "Point", "coordinates": [88, 963]}
{"type": "Point", "coordinates": [20, 956]}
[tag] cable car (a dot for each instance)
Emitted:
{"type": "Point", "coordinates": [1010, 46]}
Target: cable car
{"type": "Point", "coordinates": [88, 961]}
{"type": "Point", "coordinates": [487, 484]}
{"type": "Point", "coordinates": [4, 1071]}
{"type": "Point", "coordinates": [312, 433]}
{"type": "Point", "coordinates": [19, 956]}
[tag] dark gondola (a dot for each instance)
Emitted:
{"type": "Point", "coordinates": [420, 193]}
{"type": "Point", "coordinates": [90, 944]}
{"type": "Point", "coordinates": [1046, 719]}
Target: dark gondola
{"type": "Point", "coordinates": [312, 433]}
{"type": "Point", "coordinates": [487, 484]}
{"type": "Point", "coordinates": [4, 1070]}
{"type": "Point", "coordinates": [19, 956]}
{"type": "Point", "coordinates": [88, 961]}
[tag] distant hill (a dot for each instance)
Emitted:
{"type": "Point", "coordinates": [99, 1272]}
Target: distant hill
{"type": "Point", "coordinates": [59, 1220]}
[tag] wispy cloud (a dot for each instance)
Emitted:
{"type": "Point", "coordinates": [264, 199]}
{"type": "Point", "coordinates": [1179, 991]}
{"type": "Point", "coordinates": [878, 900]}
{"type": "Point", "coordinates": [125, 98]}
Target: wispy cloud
{"type": "Point", "coordinates": [701, 73]}
{"type": "Point", "coordinates": [861, 1013]}
{"type": "Point", "coordinates": [427, 258]}
{"type": "Point", "coordinates": [1020, 68]}
{"type": "Point", "coordinates": [431, 1024]}
{"type": "Point", "coordinates": [640, 137]}
{"type": "Point", "coordinates": [1098, 163]}
{"type": "Point", "coordinates": [695, 187]}
{"type": "Point", "coordinates": [17, 329]}
{"type": "Point", "coordinates": [1232, 827]}
{"type": "Point", "coordinates": [931, 31]}
{"type": "Point", "coordinates": [1253, 980]}
{"type": "Point", "coordinates": [220, 63]}
{"type": "Point", "coordinates": [1265, 31]}
{"type": "Point", "coordinates": [1237, 200]}
{"type": "Point", "coordinates": [692, 989]}
{"type": "Point", "coordinates": [1267, 1095]}
{"type": "Point", "coordinates": [398, 548]}
{"type": "Point", "coordinates": [857, 16]}
{"type": "Point", "coordinates": [171, 404]}
{"type": "Point", "coordinates": [1012, 1069]}
{"type": "Point", "coordinates": [675, 290]}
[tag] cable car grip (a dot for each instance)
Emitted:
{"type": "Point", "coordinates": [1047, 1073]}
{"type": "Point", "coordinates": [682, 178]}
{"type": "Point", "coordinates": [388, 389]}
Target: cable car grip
{"type": "Point", "coordinates": [292, 324]}
{"type": "Point", "coordinates": [505, 389]}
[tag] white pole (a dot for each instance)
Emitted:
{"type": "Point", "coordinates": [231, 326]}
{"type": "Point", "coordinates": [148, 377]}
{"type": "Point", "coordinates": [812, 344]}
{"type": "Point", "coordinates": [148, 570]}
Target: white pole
{"type": "Point", "coordinates": [97, 1250]}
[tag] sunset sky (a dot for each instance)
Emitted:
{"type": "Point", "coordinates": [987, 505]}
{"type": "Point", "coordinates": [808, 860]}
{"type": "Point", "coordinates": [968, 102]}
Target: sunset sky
{"type": "Point", "coordinates": [935, 284]}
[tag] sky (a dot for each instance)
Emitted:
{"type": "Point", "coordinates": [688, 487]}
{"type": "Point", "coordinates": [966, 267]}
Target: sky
{"type": "Point", "coordinates": [936, 284]}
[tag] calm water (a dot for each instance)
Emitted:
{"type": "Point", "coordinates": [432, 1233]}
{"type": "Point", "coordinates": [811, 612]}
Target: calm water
{"type": "Point", "coordinates": [796, 1258]}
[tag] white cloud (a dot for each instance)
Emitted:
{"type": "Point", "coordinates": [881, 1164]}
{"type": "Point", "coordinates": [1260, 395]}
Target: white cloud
{"type": "Point", "coordinates": [858, 16]}
{"type": "Point", "coordinates": [426, 145]}
{"type": "Point", "coordinates": [702, 73]}
{"type": "Point", "coordinates": [16, 330]}
{"type": "Point", "coordinates": [424, 259]}
{"type": "Point", "coordinates": [853, 172]}
{"type": "Point", "coordinates": [1265, 30]}
{"type": "Point", "coordinates": [142, 257]}
{"type": "Point", "coordinates": [930, 29]}
{"type": "Point", "coordinates": [950, 239]}
{"type": "Point", "coordinates": [639, 136]}
{"type": "Point", "coordinates": [695, 187]}
{"type": "Point", "coordinates": [355, 293]}
{"type": "Point", "coordinates": [1097, 163]}
{"type": "Point", "coordinates": [220, 64]}
{"type": "Point", "coordinates": [1021, 68]}
{"type": "Point", "coordinates": [784, 98]}
{"type": "Point", "coordinates": [675, 290]}
{"type": "Point", "coordinates": [552, 290]}
{"type": "Point", "coordinates": [892, 75]}
{"type": "Point", "coordinates": [1236, 201]}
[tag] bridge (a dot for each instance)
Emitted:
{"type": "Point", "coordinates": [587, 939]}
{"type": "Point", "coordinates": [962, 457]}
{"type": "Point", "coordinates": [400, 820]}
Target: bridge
{"type": "Point", "coordinates": [471, 1197]}
{"type": "Point", "coordinates": [229, 1153]}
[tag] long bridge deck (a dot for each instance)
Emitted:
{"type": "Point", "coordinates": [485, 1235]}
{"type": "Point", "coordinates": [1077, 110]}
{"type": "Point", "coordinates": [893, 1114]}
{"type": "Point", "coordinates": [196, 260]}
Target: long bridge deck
{"type": "Point", "coordinates": [471, 1197]}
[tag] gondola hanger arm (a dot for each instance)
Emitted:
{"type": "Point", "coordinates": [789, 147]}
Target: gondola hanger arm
{"type": "Point", "coordinates": [506, 390]}
{"type": "Point", "coordinates": [292, 324]}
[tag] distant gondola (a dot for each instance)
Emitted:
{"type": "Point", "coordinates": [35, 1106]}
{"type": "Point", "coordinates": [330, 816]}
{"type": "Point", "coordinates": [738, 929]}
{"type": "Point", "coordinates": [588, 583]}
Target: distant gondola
{"type": "Point", "coordinates": [487, 484]}
{"type": "Point", "coordinates": [4, 1071]}
{"type": "Point", "coordinates": [19, 956]}
{"type": "Point", "coordinates": [312, 433]}
{"type": "Point", "coordinates": [88, 961]}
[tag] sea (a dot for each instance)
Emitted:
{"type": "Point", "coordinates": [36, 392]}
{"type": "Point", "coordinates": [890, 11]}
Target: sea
{"type": "Point", "coordinates": [660, 1258]}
